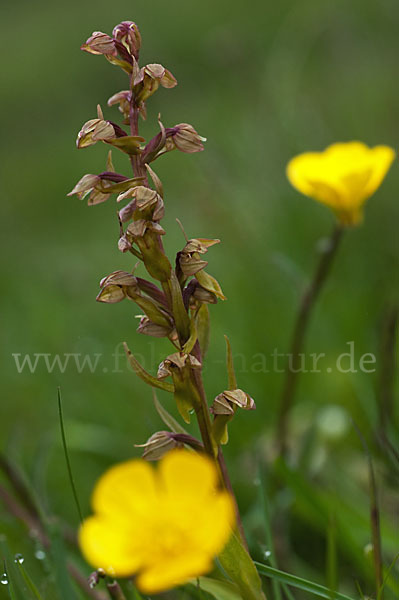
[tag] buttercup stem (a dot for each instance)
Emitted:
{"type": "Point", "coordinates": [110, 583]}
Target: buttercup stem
{"type": "Point", "coordinates": [306, 306]}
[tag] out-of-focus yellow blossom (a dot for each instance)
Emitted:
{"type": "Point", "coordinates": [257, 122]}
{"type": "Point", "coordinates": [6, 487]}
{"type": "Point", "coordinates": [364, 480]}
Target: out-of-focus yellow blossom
{"type": "Point", "coordinates": [342, 177]}
{"type": "Point", "coordinates": [165, 526]}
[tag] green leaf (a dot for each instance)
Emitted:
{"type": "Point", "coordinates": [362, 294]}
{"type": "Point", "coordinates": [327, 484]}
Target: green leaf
{"type": "Point", "coordinates": [153, 312]}
{"type": "Point", "coordinates": [239, 566]}
{"type": "Point", "coordinates": [221, 590]}
{"type": "Point", "coordinates": [123, 64]}
{"type": "Point", "coordinates": [189, 345]}
{"type": "Point", "coordinates": [157, 182]}
{"type": "Point", "coordinates": [300, 583]}
{"type": "Point", "coordinates": [123, 186]}
{"type": "Point", "coordinates": [209, 283]}
{"type": "Point", "coordinates": [181, 317]}
{"type": "Point", "coordinates": [203, 328]}
{"type": "Point", "coordinates": [167, 417]}
{"type": "Point", "coordinates": [220, 431]}
{"type": "Point", "coordinates": [130, 144]}
{"type": "Point", "coordinates": [142, 373]}
{"type": "Point", "coordinates": [110, 165]}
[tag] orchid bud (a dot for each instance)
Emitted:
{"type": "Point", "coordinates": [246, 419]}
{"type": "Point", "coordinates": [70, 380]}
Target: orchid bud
{"type": "Point", "coordinates": [149, 78]}
{"type": "Point", "coordinates": [94, 187]}
{"type": "Point", "coordinates": [111, 294]}
{"type": "Point", "coordinates": [148, 202]}
{"type": "Point", "coordinates": [200, 245]}
{"type": "Point", "coordinates": [128, 34]}
{"type": "Point", "coordinates": [227, 402]}
{"type": "Point", "coordinates": [224, 408]}
{"type": "Point", "coordinates": [181, 137]}
{"type": "Point", "coordinates": [94, 131]}
{"type": "Point", "coordinates": [100, 43]}
{"type": "Point", "coordinates": [100, 187]}
{"type": "Point", "coordinates": [159, 444]}
{"type": "Point", "coordinates": [123, 244]}
{"type": "Point", "coordinates": [148, 327]}
{"type": "Point", "coordinates": [123, 99]}
{"type": "Point", "coordinates": [115, 287]}
{"type": "Point", "coordinates": [119, 278]}
{"type": "Point", "coordinates": [189, 258]}
{"type": "Point", "coordinates": [185, 139]}
{"type": "Point", "coordinates": [162, 442]}
{"type": "Point", "coordinates": [84, 186]}
{"type": "Point", "coordinates": [210, 283]}
{"type": "Point", "coordinates": [125, 214]}
{"type": "Point", "coordinates": [138, 228]}
{"type": "Point", "coordinates": [179, 366]}
{"type": "Point", "coordinates": [204, 296]}
{"type": "Point", "coordinates": [191, 263]}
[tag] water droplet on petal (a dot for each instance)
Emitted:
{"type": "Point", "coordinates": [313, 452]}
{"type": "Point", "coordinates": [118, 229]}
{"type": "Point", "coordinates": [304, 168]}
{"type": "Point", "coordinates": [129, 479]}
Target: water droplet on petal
{"type": "Point", "coordinates": [18, 558]}
{"type": "Point", "coordinates": [4, 579]}
{"type": "Point", "coordinates": [267, 554]}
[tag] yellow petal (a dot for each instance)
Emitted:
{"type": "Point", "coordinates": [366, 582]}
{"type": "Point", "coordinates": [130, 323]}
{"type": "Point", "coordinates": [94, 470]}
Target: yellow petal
{"type": "Point", "coordinates": [126, 491]}
{"type": "Point", "coordinates": [382, 157]}
{"type": "Point", "coordinates": [172, 572]}
{"type": "Point", "coordinates": [343, 176]}
{"type": "Point", "coordinates": [110, 547]}
{"type": "Point", "coordinates": [215, 523]}
{"type": "Point", "coordinates": [309, 173]}
{"type": "Point", "coordinates": [186, 474]}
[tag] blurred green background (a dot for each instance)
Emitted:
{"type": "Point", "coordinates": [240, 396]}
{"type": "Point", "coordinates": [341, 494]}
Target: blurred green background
{"type": "Point", "coordinates": [262, 81]}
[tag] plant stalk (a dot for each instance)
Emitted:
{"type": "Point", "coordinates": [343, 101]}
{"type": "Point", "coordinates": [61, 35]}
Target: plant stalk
{"type": "Point", "coordinates": [306, 307]}
{"type": "Point", "coordinates": [253, 590]}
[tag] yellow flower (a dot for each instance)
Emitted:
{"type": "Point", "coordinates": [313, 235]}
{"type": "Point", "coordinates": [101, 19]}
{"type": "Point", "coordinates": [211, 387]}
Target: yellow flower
{"type": "Point", "coordinates": [163, 525]}
{"type": "Point", "coordinates": [342, 177]}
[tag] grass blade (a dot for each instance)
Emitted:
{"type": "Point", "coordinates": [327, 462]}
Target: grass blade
{"type": "Point", "coordinates": [387, 576]}
{"type": "Point", "coordinates": [268, 532]}
{"type": "Point", "coordinates": [31, 586]}
{"type": "Point", "coordinates": [69, 468]}
{"type": "Point", "coordinates": [15, 587]}
{"type": "Point", "coordinates": [302, 584]}
{"type": "Point", "coordinates": [331, 555]}
{"type": "Point", "coordinates": [6, 575]}
{"type": "Point", "coordinates": [374, 516]}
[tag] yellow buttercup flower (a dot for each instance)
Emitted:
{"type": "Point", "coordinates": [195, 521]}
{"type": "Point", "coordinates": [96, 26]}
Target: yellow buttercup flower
{"type": "Point", "coordinates": [164, 525]}
{"type": "Point", "coordinates": [342, 177]}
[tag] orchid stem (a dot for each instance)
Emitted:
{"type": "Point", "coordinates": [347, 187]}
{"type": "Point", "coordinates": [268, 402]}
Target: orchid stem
{"type": "Point", "coordinates": [202, 409]}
